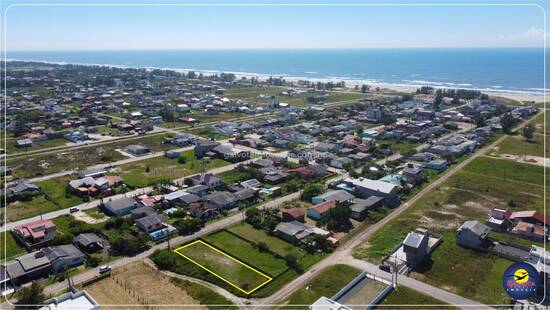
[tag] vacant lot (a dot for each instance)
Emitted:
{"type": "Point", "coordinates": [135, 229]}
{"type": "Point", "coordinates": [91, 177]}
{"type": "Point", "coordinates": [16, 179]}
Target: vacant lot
{"type": "Point", "coordinates": [517, 145]}
{"type": "Point", "coordinates": [12, 248]}
{"type": "Point", "coordinates": [329, 282]}
{"type": "Point", "coordinates": [470, 194]}
{"type": "Point", "coordinates": [150, 171]}
{"type": "Point", "coordinates": [276, 245]}
{"type": "Point", "coordinates": [29, 208]}
{"type": "Point", "coordinates": [230, 269]}
{"type": "Point", "coordinates": [82, 157]}
{"type": "Point", "coordinates": [139, 284]}
{"type": "Point", "coordinates": [53, 197]}
{"type": "Point", "coordinates": [247, 252]}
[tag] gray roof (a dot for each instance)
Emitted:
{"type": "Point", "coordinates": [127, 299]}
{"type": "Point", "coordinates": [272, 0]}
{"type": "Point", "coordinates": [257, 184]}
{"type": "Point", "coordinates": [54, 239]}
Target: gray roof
{"type": "Point", "coordinates": [291, 228]}
{"type": "Point", "coordinates": [414, 239]}
{"type": "Point", "coordinates": [86, 239]}
{"type": "Point", "coordinates": [32, 260]}
{"type": "Point", "coordinates": [244, 194]}
{"type": "Point", "coordinates": [362, 204]}
{"type": "Point", "coordinates": [476, 227]}
{"type": "Point", "coordinates": [66, 251]}
{"type": "Point", "coordinates": [220, 198]}
{"type": "Point", "coordinates": [143, 211]}
{"type": "Point", "coordinates": [337, 196]}
{"type": "Point", "coordinates": [121, 203]}
{"type": "Point", "coordinates": [151, 220]}
{"type": "Point", "coordinates": [22, 186]}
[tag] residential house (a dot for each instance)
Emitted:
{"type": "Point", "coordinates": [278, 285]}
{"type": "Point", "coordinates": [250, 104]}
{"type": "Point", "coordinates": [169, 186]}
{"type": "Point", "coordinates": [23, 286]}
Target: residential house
{"type": "Point", "coordinates": [203, 210]}
{"type": "Point", "coordinates": [137, 150]}
{"type": "Point", "coordinates": [207, 179]}
{"type": "Point", "coordinates": [293, 214]}
{"type": "Point", "coordinates": [499, 219]}
{"type": "Point", "coordinates": [82, 300]}
{"type": "Point", "coordinates": [361, 207]}
{"type": "Point", "coordinates": [221, 200]}
{"type": "Point", "coordinates": [89, 242]}
{"type": "Point", "coordinates": [340, 197]}
{"type": "Point", "coordinates": [320, 210]}
{"type": "Point", "coordinates": [202, 147]}
{"type": "Point", "coordinates": [472, 234]}
{"type": "Point", "coordinates": [35, 234]}
{"type": "Point", "coordinates": [21, 190]}
{"type": "Point", "coordinates": [120, 206]}
{"type": "Point", "coordinates": [293, 232]}
{"type": "Point", "coordinates": [151, 222]}
{"type": "Point", "coordinates": [364, 188]}
{"type": "Point", "coordinates": [27, 267]}
{"type": "Point", "coordinates": [63, 257]}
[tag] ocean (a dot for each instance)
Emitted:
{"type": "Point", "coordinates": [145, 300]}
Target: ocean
{"type": "Point", "coordinates": [490, 69]}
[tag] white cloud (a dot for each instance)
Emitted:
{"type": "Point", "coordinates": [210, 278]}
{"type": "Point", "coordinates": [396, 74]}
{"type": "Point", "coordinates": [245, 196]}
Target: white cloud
{"type": "Point", "coordinates": [532, 34]}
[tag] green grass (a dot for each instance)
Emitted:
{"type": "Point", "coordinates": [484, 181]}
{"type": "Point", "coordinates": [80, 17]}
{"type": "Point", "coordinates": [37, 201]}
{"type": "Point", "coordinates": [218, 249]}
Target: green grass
{"type": "Point", "coordinates": [517, 145]}
{"type": "Point", "coordinates": [274, 244]}
{"type": "Point", "coordinates": [12, 247]}
{"type": "Point", "coordinates": [204, 295]}
{"type": "Point", "coordinates": [162, 168]}
{"type": "Point", "coordinates": [225, 267]}
{"type": "Point", "coordinates": [403, 295]}
{"type": "Point", "coordinates": [24, 209]}
{"type": "Point", "coordinates": [46, 163]}
{"type": "Point", "coordinates": [327, 283]}
{"type": "Point", "coordinates": [54, 197]}
{"type": "Point", "coordinates": [246, 252]}
{"type": "Point", "coordinates": [400, 146]}
{"type": "Point", "coordinates": [55, 191]}
{"type": "Point", "coordinates": [468, 195]}
{"type": "Point", "coordinates": [95, 213]}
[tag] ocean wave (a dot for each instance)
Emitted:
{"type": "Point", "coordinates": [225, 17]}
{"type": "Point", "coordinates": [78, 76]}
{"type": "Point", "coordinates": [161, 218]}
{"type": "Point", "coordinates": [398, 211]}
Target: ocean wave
{"type": "Point", "coordinates": [347, 79]}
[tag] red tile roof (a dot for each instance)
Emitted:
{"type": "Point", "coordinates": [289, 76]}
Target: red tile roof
{"type": "Point", "coordinates": [324, 206]}
{"type": "Point", "coordinates": [35, 229]}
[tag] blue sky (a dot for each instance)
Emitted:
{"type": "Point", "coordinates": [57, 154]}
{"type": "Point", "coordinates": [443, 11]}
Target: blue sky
{"type": "Point", "coordinates": [231, 27]}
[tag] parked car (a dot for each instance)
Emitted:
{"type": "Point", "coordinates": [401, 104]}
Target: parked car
{"type": "Point", "coordinates": [104, 269]}
{"type": "Point", "coordinates": [73, 210]}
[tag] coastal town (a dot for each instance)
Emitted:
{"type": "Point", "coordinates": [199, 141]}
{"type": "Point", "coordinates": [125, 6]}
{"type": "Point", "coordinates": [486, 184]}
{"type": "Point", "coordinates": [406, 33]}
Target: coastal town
{"type": "Point", "coordinates": [127, 186]}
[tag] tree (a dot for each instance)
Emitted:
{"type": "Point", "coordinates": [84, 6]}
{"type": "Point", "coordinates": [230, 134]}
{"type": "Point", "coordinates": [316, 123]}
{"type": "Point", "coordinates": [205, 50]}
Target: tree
{"type": "Point", "coordinates": [312, 190]}
{"type": "Point", "coordinates": [31, 295]}
{"type": "Point", "coordinates": [364, 88]}
{"type": "Point", "coordinates": [437, 102]}
{"type": "Point", "coordinates": [291, 260]}
{"type": "Point", "coordinates": [338, 219]}
{"type": "Point", "coordinates": [479, 120]}
{"type": "Point", "coordinates": [507, 121]}
{"type": "Point", "coordinates": [253, 217]}
{"type": "Point", "coordinates": [528, 132]}
{"type": "Point", "coordinates": [188, 225]}
{"type": "Point", "coordinates": [182, 160]}
{"type": "Point", "coordinates": [263, 247]}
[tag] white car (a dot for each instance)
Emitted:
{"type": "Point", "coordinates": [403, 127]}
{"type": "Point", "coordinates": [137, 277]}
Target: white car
{"type": "Point", "coordinates": [104, 269]}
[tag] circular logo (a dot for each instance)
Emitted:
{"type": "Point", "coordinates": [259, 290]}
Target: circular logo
{"type": "Point", "coordinates": [521, 281]}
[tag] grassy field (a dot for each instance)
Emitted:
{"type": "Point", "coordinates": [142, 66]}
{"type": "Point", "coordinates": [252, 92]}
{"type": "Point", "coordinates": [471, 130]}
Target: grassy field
{"type": "Point", "coordinates": [230, 269]}
{"type": "Point", "coordinates": [247, 252]}
{"type": "Point", "coordinates": [408, 297]}
{"type": "Point", "coordinates": [327, 283]}
{"type": "Point", "coordinates": [38, 145]}
{"type": "Point", "coordinates": [135, 174]}
{"type": "Point", "coordinates": [517, 145]}
{"type": "Point", "coordinates": [12, 248]}
{"type": "Point", "coordinates": [275, 244]}
{"type": "Point", "coordinates": [55, 191]}
{"type": "Point", "coordinates": [400, 146]}
{"type": "Point", "coordinates": [54, 197]}
{"type": "Point", "coordinates": [469, 194]}
{"type": "Point", "coordinates": [29, 208]}
{"type": "Point", "coordinates": [47, 163]}
{"type": "Point", "coordinates": [139, 284]}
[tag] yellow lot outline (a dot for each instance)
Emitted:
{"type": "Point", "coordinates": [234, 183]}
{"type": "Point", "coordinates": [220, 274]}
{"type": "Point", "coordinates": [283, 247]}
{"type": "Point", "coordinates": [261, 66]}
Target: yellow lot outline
{"type": "Point", "coordinates": [269, 279]}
